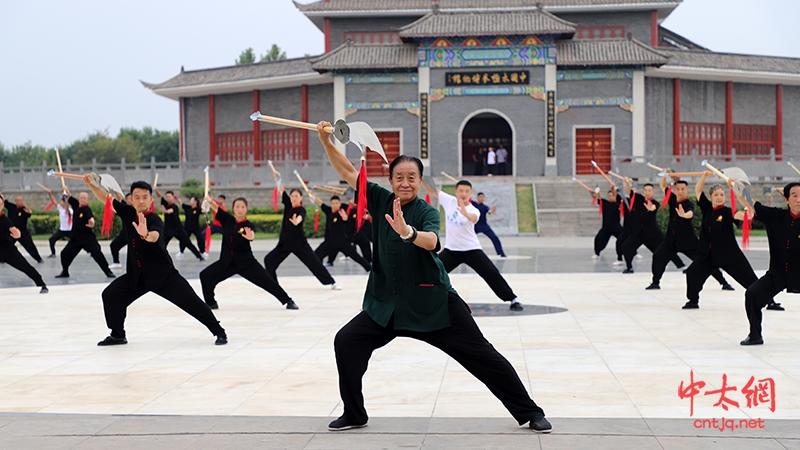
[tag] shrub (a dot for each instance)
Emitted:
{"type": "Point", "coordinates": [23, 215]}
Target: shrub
{"type": "Point", "coordinates": [192, 186]}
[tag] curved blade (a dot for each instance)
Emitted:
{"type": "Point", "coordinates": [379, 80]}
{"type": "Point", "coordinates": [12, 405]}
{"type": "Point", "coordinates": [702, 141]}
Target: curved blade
{"type": "Point", "coordinates": [737, 173]}
{"type": "Point", "coordinates": [365, 138]}
{"type": "Point", "coordinates": [110, 184]}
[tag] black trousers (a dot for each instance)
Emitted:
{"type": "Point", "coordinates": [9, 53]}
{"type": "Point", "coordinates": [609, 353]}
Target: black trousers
{"type": "Point", "coordinates": [699, 270]}
{"type": "Point", "coordinates": [304, 254]}
{"type": "Point", "coordinates": [120, 294]}
{"type": "Point", "coordinates": [57, 236]}
{"type": "Point", "coordinates": [200, 235]}
{"type": "Point", "coordinates": [183, 238]}
{"type": "Point", "coordinates": [118, 244]}
{"type": "Point", "coordinates": [11, 256]}
{"type": "Point", "coordinates": [329, 249]}
{"type": "Point", "coordinates": [216, 273]}
{"type": "Point", "coordinates": [665, 252]}
{"type": "Point", "coordinates": [482, 265]}
{"type": "Point", "coordinates": [759, 295]}
{"type": "Point", "coordinates": [602, 238]}
{"type": "Point", "coordinates": [632, 244]}
{"type": "Point", "coordinates": [363, 242]}
{"type": "Point", "coordinates": [74, 246]}
{"type": "Point", "coordinates": [620, 244]}
{"type": "Point", "coordinates": [462, 341]}
{"type": "Point", "coordinates": [26, 241]}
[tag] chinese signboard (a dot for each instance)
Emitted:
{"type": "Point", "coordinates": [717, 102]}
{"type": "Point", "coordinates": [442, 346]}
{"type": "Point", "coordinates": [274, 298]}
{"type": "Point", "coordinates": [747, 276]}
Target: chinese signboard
{"type": "Point", "coordinates": [551, 124]}
{"type": "Point", "coordinates": [423, 125]}
{"type": "Point", "coordinates": [490, 78]}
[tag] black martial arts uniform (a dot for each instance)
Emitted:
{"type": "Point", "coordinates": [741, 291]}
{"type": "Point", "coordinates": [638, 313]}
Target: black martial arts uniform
{"type": "Point", "coordinates": [336, 238]}
{"type": "Point", "coordinates": [611, 227]}
{"type": "Point", "coordinates": [293, 240]}
{"type": "Point", "coordinates": [783, 234]}
{"type": "Point", "coordinates": [150, 269]}
{"type": "Point", "coordinates": [644, 231]}
{"type": "Point", "coordinates": [118, 244]}
{"type": "Point", "coordinates": [19, 217]}
{"type": "Point", "coordinates": [627, 223]}
{"type": "Point", "coordinates": [718, 249]}
{"type": "Point", "coordinates": [191, 224]}
{"type": "Point", "coordinates": [11, 256]}
{"type": "Point", "coordinates": [174, 229]}
{"type": "Point", "coordinates": [82, 238]}
{"type": "Point", "coordinates": [680, 238]}
{"type": "Point", "coordinates": [409, 295]}
{"type": "Point", "coordinates": [361, 239]}
{"type": "Point", "coordinates": [235, 258]}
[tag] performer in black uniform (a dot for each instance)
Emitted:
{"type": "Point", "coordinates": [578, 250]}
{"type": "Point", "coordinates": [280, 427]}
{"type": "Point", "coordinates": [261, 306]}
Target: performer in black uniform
{"type": "Point", "coordinates": [83, 237]}
{"type": "Point", "coordinates": [611, 226]}
{"type": "Point", "coordinates": [191, 224]}
{"type": "Point", "coordinates": [19, 214]}
{"type": "Point", "coordinates": [236, 256]}
{"type": "Point", "coordinates": [718, 247]}
{"type": "Point", "coordinates": [680, 234]}
{"type": "Point", "coordinates": [149, 268]}
{"type": "Point", "coordinates": [626, 210]}
{"type": "Point", "coordinates": [409, 294]}
{"type": "Point", "coordinates": [783, 234]}
{"type": "Point", "coordinates": [11, 256]}
{"type": "Point", "coordinates": [644, 229]}
{"type": "Point", "coordinates": [119, 242]}
{"type": "Point", "coordinates": [293, 240]}
{"type": "Point", "coordinates": [336, 221]}
{"type": "Point", "coordinates": [359, 240]}
{"type": "Point", "coordinates": [172, 223]}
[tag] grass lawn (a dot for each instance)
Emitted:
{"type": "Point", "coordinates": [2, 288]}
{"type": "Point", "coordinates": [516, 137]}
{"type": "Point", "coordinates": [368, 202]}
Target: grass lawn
{"type": "Point", "coordinates": [526, 213]}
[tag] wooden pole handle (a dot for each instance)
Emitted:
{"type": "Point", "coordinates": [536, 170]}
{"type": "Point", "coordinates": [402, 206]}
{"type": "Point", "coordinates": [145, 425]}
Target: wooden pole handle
{"type": "Point", "coordinates": [685, 174]}
{"type": "Point", "coordinates": [584, 186]}
{"type": "Point", "coordinates": [653, 166]}
{"type": "Point", "coordinates": [603, 174]}
{"type": "Point", "coordinates": [71, 176]}
{"type": "Point", "coordinates": [795, 168]}
{"type": "Point", "coordinates": [293, 123]}
{"type": "Point", "coordinates": [60, 169]}
{"type": "Point", "coordinates": [325, 189]}
{"type": "Point", "coordinates": [616, 175]}
{"type": "Point", "coordinates": [302, 182]}
{"type": "Point", "coordinates": [451, 178]}
{"type": "Point", "coordinates": [717, 172]}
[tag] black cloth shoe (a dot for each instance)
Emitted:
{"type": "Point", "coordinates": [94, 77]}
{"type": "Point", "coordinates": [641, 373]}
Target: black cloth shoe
{"type": "Point", "coordinates": [653, 286]}
{"type": "Point", "coordinates": [63, 275]}
{"type": "Point", "coordinates": [109, 274]}
{"type": "Point", "coordinates": [516, 306]}
{"type": "Point", "coordinates": [751, 341]}
{"type": "Point", "coordinates": [342, 423]}
{"type": "Point", "coordinates": [222, 339]}
{"type": "Point", "coordinates": [213, 305]}
{"type": "Point", "coordinates": [111, 340]}
{"type": "Point", "coordinates": [39, 261]}
{"type": "Point", "coordinates": [775, 307]}
{"type": "Point", "coordinates": [727, 287]}
{"type": "Point", "coordinates": [540, 426]}
{"type": "Point", "coordinates": [44, 290]}
{"type": "Point", "coordinates": [691, 305]}
{"type": "Point", "coordinates": [291, 305]}
{"type": "Point", "coordinates": [628, 270]}
{"type": "Point", "coordinates": [53, 256]}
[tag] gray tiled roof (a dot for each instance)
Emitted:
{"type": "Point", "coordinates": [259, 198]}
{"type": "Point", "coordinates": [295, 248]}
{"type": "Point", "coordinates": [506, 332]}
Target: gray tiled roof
{"type": "Point", "coordinates": [730, 61]}
{"type": "Point", "coordinates": [286, 67]}
{"type": "Point", "coordinates": [607, 52]}
{"type": "Point", "coordinates": [447, 24]}
{"type": "Point", "coordinates": [416, 5]}
{"type": "Point", "coordinates": [349, 56]}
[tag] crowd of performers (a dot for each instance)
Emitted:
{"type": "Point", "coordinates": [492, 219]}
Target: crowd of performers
{"type": "Point", "coordinates": [715, 250]}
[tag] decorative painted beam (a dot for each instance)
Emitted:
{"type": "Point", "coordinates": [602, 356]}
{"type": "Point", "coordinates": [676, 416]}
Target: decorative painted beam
{"type": "Point", "coordinates": [594, 75]}
{"type": "Point", "coordinates": [388, 78]}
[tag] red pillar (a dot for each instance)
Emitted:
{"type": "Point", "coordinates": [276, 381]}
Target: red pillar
{"type": "Point", "coordinates": [212, 130]}
{"type": "Point", "coordinates": [182, 136]}
{"type": "Point", "coordinates": [779, 120]}
{"type": "Point", "coordinates": [304, 116]}
{"type": "Point", "coordinates": [728, 117]}
{"type": "Point", "coordinates": [676, 116]}
{"type": "Point", "coordinates": [256, 126]}
{"type": "Point", "coordinates": [327, 31]}
{"type": "Point", "coordinates": [654, 28]}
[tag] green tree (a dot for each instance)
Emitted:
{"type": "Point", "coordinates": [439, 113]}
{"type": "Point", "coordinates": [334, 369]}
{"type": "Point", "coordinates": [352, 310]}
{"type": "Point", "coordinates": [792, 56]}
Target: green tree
{"type": "Point", "coordinates": [107, 150]}
{"type": "Point", "coordinates": [248, 56]}
{"type": "Point", "coordinates": [163, 145]}
{"type": "Point", "coordinates": [27, 153]}
{"type": "Point", "coordinates": [274, 54]}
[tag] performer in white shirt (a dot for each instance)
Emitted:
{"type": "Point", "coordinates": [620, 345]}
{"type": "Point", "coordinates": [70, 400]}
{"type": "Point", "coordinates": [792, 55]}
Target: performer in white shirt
{"type": "Point", "coordinates": [462, 245]}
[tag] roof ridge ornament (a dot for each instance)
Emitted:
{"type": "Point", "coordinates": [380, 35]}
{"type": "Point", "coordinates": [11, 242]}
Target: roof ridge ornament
{"type": "Point", "coordinates": [629, 35]}
{"type": "Point", "coordinates": [435, 6]}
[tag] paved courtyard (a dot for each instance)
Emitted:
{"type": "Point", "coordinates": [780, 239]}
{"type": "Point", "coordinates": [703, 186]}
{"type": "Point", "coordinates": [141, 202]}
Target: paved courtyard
{"type": "Point", "coordinates": [605, 359]}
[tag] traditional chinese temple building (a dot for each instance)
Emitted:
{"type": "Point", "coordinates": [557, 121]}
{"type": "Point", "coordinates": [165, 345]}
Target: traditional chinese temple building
{"type": "Point", "coordinates": [558, 83]}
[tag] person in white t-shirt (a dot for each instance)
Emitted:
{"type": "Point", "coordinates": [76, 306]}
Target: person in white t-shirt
{"type": "Point", "coordinates": [64, 222]}
{"type": "Point", "coordinates": [491, 161]}
{"type": "Point", "coordinates": [462, 245]}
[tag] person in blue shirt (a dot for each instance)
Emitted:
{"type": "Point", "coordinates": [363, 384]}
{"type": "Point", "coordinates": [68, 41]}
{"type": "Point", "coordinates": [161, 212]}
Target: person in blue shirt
{"type": "Point", "coordinates": [481, 226]}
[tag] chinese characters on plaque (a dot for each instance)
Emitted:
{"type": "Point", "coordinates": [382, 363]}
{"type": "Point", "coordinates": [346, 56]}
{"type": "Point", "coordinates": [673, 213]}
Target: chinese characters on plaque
{"type": "Point", "coordinates": [492, 78]}
{"type": "Point", "coordinates": [551, 124]}
{"type": "Point", "coordinates": [423, 125]}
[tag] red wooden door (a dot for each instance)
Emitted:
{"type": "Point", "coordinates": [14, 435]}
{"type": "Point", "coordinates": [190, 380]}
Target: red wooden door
{"type": "Point", "coordinates": [592, 144]}
{"type": "Point", "coordinates": [390, 140]}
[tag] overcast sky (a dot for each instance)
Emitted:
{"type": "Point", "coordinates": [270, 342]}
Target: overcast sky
{"type": "Point", "coordinates": [68, 71]}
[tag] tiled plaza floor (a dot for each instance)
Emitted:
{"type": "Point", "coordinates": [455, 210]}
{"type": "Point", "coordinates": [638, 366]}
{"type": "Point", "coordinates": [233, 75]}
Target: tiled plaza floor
{"type": "Point", "coordinates": [607, 370]}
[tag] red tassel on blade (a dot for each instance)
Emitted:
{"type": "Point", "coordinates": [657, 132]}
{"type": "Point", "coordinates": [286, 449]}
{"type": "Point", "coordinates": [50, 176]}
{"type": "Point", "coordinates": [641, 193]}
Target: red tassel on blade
{"type": "Point", "coordinates": [208, 238]}
{"type": "Point", "coordinates": [666, 198]}
{"type": "Point", "coordinates": [47, 208]}
{"type": "Point", "coordinates": [275, 198]}
{"type": "Point", "coordinates": [746, 225]}
{"type": "Point", "coordinates": [316, 221]}
{"type": "Point", "coordinates": [733, 202]}
{"type": "Point", "coordinates": [362, 194]}
{"type": "Point", "coordinates": [108, 217]}
{"type": "Point", "coordinates": [600, 207]}
{"type": "Point", "coordinates": [428, 198]}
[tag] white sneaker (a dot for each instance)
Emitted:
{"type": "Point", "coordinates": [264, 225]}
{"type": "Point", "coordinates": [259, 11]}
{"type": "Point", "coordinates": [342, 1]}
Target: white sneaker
{"type": "Point", "coordinates": [595, 256]}
{"type": "Point", "coordinates": [205, 255]}
{"type": "Point", "coordinates": [618, 263]}
{"type": "Point", "coordinates": [638, 256]}
{"type": "Point", "coordinates": [115, 266]}
{"type": "Point", "coordinates": [336, 287]}
{"type": "Point", "coordinates": [179, 255]}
